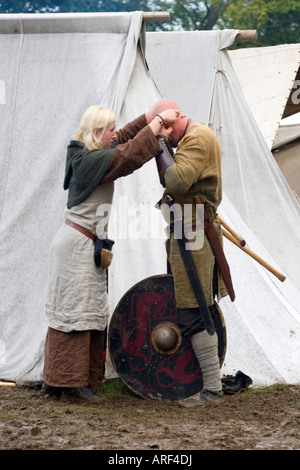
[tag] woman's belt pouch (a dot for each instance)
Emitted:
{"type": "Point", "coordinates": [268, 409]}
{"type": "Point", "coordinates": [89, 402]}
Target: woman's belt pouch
{"type": "Point", "coordinates": [103, 255]}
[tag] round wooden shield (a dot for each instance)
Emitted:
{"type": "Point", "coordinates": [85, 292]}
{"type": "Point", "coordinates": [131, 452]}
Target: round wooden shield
{"type": "Point", "coordinates": [146, 347]}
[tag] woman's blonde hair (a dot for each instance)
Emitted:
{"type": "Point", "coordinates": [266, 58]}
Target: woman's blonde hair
{"type": "Point", "coordinates": [95, 117]}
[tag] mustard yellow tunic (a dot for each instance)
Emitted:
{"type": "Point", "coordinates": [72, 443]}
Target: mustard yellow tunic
{"type": "Point", "coordinates": [197, 170]}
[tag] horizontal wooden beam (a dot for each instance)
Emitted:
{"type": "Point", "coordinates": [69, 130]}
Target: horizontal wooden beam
{"type": "Point", "coordinates": [156, 16]}
{"type": "Point", "coordinates": [246, 35]}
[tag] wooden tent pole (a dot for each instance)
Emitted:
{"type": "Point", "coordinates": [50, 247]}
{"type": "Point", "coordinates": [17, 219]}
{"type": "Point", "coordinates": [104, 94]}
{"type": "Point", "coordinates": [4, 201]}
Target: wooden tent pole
{"type": "Point", "coordinates": [156, 16]}
{"type": "Point", "coordinates": [242, 35]}
{"type": "Point", "coordinates": [246, 35]}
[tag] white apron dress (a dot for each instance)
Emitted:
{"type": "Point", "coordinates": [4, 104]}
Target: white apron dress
{"type": "Point", "coordinates": [77, 293]}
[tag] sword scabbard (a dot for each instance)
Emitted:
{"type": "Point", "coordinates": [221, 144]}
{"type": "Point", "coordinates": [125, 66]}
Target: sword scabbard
{"type": "Point", "coordinates": [191, 269]}
{"type": "Point", "coordinates": [215, 244]}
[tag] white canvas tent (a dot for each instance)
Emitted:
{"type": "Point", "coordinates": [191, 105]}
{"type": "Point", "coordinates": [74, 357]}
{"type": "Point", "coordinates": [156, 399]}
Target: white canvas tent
{"type": "Point", "coordinates": [268, 77]}
{"type": "Point", "coordinates": [270, 81]}
{"type": "Point", "coordinates": [57, 65]}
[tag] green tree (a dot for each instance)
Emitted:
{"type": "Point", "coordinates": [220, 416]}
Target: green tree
{"type": "Point", "coordinates": [69, 6]}
{"type": "Point", "coordinates": [276, 21]}
{"type": "Point", "coordinates": [190, 16]}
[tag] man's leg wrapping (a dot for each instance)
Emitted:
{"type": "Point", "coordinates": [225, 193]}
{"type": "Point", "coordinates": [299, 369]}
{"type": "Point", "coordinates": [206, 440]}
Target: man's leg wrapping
{"type": "Point", "coordinates": [206, 350]}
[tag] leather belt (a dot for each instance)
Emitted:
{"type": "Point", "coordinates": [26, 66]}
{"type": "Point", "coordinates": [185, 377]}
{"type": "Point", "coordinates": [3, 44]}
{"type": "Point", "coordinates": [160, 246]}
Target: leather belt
{"type": "Point", "coordinates": [81, 229]}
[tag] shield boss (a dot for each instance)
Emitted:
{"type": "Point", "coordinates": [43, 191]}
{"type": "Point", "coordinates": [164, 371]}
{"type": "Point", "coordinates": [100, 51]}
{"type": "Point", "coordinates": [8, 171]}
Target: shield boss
{"type": "Point", "coordinates": [146, 347]}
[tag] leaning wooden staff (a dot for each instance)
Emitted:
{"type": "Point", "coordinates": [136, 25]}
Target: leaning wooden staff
{"type": "Point", "coordinates": [235, 238]}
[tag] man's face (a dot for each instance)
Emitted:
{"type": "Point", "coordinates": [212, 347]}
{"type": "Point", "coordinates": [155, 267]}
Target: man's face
{"type": "Point", "coordinates": [175, 132]}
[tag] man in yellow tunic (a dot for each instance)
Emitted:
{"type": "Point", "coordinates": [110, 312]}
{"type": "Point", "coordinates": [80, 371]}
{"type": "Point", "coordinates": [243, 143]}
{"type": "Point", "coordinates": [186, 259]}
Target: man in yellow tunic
{"type": "Point", "coordinates": [196, 170]}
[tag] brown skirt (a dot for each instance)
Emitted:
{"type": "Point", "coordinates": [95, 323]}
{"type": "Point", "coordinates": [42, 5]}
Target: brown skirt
{"type": "Point", "coordinates": [74, 359]}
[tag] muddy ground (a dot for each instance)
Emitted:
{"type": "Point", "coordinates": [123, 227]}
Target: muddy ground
{"type": "Point", "coordinates": [256, 419]}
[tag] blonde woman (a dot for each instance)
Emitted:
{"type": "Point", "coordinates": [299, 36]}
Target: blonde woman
{"type": "Point", "coordinates": [76, 307]}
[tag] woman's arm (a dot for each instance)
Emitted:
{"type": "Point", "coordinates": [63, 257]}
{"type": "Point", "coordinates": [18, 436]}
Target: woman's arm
{"type": "Point", "coordinates": [132, 155]}
{"type": "Point", "coordinates": [134, 152]}
{"type": "Point", "coordinates": [131, 129]}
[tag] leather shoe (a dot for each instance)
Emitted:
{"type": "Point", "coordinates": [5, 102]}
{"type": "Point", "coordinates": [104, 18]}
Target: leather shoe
{"type": "Point", "coordinates": [78, 393]}
{"type": "Point", "coordinates": [50, 391]}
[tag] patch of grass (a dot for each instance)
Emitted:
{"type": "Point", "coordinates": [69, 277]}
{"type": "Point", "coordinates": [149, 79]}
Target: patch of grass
{"type": "Point", "coordinates": [114, 387]}
{"type": "Point", "coordinates": [269, 389]}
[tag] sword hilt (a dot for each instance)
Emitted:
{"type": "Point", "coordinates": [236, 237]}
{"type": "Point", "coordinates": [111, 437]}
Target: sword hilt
{"type": "Point", "coordinates": [169, 200]}
{"type": "Point", "coordinates": [177, 221]}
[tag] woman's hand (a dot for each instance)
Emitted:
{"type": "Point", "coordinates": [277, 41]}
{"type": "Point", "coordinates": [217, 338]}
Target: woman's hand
{"type": "Point", "coordinates": [164, 119]}
{"type": "Point", "coordinates": [168, 116]}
